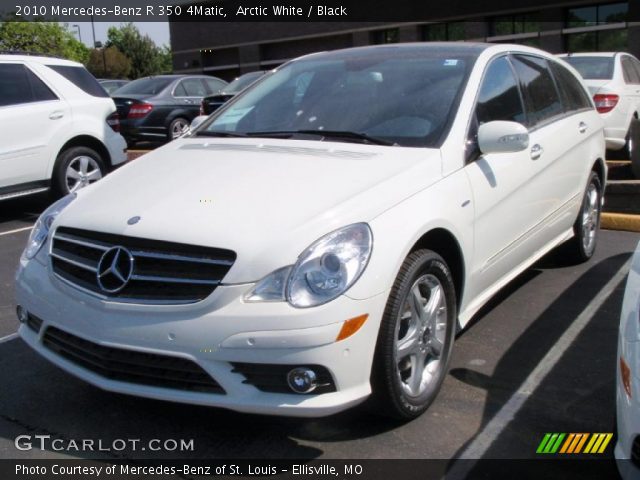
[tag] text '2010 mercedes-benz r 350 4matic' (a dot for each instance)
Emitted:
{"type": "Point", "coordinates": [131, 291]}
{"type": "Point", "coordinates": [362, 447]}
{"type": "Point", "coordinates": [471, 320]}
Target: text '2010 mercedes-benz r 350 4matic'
{"type": "Point", "coordinates": [319, 240]}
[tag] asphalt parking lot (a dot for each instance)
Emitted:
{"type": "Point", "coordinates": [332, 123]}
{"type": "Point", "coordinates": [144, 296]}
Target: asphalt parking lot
{"type": "Point", "coordinates": [539, 358]}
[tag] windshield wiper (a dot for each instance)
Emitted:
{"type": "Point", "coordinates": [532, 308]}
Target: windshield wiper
{"type": "Point", "coordinates": [214, 133]}
{"type": "Point", "coordinates": [325, 134]}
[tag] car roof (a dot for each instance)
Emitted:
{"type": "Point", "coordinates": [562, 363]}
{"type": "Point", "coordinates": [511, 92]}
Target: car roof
{"type": "Point", "coordinates": [44, 60]}
{"type": "Point", "coordinates": [590, 54]}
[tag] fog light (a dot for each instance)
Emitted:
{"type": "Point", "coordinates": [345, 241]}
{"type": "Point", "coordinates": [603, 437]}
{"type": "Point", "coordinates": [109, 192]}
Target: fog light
{"type": "Point", "coordinates": [23, 315]}
{"type": "Point", "coordinates": [302, 380]}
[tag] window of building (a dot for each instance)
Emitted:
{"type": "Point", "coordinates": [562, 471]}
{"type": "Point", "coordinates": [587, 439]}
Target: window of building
{"type": "Point", "coordinates": [514, 24]}
{"type": "Point", "coordinates": [597, 41]}
{"type": "Point", "coordinates": [390, 35]}
{"type": "Point", "coordinates": [597, 15]}
{"type": "Point", "coordinates": [443, 32]}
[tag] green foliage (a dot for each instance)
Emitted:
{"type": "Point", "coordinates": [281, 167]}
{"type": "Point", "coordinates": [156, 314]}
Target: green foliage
{"type": "Point", "coordinates": [146, 58]}
{"type": "Point", "coordinates": [48, 38]}
{"type": "Point", "coordinates": [117, 64]}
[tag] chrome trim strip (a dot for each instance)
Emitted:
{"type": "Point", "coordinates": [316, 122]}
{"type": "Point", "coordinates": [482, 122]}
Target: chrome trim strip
{"type": "Point", "coordinates": [84, 243]}
{"type": "Point", "coordinates": [7, 196]}
{"type": "Point", "coordinates": [74, 262]}
{"type": "Point", "coordinates": [153, 278]}
{"type": "Point", "coordinates": [179, 258]}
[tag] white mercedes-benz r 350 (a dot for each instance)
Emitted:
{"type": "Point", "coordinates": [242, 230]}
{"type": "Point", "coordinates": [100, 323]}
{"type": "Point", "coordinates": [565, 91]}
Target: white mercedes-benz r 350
{"type": "Point", "coordinates": [321, 238]}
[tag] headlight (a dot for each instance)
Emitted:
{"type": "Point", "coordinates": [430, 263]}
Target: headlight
{"type": "Point", "coordinates": [41, 228]}
{"type": "Point", "coordinates": [323, 272]}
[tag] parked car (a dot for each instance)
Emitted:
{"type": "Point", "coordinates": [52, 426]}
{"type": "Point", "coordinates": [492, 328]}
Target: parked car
{"type": "Point", "coordinates": [211, 103]}
{"type": "Point", "coordinates": [59, 127]}
{"type": "Point", "coordinates": [161, 108]}
{"type": "Point", "coordinates": [111, 85]}
{"type": "Point", "coordinates": [627, 451]}
{"type": "Point", "coordinates": [321, 239]}
{"type": "Point", "coordinates": [614, 81]}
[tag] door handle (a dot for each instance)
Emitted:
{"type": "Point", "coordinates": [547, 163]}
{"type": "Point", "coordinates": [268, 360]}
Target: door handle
{"type": "Point", "coordinates": [56, 115]}
{"type": "Point", "coordinates": [536, 152]}
{"type": "Point", "coordinates": [582, 127]}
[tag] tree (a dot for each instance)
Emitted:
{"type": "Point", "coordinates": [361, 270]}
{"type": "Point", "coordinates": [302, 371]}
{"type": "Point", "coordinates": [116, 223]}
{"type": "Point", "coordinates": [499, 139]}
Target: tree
{"type": "Point", "coordinates": [145, 57]}
{"type": "Point", "coordinates": [47, 38]}
{"type": "Point", "coordinates": [117, 64]}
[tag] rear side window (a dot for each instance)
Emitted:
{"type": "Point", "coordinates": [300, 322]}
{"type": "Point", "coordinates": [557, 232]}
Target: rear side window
{"type": "Point", "coordinates": [193, 87]}
{"type": "Point", "coordinates": [81, 78]}
{"type": "Point", "coordinates": [631, 76]}
{"type": "Point", "coordinates": [18, 85]}
{"type": "Point", "coordinates": [213, 85]}
{"type": "Point", "coordinates": [541, 98]}
{"type": "Point", "coordinates": [573, 95]}
{"type": "Point", "coordinates": [499, 98]}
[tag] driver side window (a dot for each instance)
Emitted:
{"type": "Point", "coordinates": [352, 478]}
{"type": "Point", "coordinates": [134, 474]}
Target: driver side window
{"type": "Point", "coordinates": [498, 99]}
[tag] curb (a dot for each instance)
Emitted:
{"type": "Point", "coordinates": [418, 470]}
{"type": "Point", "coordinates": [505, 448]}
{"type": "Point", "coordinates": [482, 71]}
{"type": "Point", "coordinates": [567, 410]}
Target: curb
{"type": "Point", "coordinates": [620, 221]}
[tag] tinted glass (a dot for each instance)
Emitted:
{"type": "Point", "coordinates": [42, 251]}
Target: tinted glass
{"type": "Point", "coordinates": [573, 95]}
{"type": "Point", "coordinates": [194, 87]}
{"type": "Point", "coordinates": [499, 98]}
{"type": "Point", "coordinates": [592, 68]}
{"type": "Point", "coordinates": [41, 93]}
{"type": "Point", "coordinates": [403, 95]}
{"type": "Point", "coordinates": [145, 86]}
{"type": "Point", "coordinates": [629, 71]}
{"type": "Point", "coordinates": [213, 85]}
{"type": "Point", "coordinates": [242, 82]}
{"type": "Point", "coordinates": [13, 79]}
{"type": "Point", "coordinates": [81, 78]}
{"type": "Point", "coordinates": [540, 95]}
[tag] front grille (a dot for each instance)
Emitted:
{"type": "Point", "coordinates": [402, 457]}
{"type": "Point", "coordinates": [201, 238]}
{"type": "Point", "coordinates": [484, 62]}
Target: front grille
{"type": "Point", "coordinates": [131, 366]}
{"type": "Point", "coordinates": [635, 452]}
{"type": "Point", "coordinates": [162, 272]}
{"type": "Point", "coordinates": [273, 378]}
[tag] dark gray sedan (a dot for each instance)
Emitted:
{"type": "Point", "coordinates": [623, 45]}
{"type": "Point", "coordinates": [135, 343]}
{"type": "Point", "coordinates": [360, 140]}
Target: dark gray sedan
{"type": "Point", "coordinates": [160, 108]}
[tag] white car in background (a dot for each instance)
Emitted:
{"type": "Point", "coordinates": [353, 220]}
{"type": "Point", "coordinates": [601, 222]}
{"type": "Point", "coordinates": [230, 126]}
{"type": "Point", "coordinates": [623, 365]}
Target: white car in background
{"type": "Point", "coordinates": [320, 238]}
{"type": "Point", "coordinates": [627, 450]}
{"type": "Point", "coordinates": [59, 127]}
{"type": "Point", "coordinates": [614, 81]}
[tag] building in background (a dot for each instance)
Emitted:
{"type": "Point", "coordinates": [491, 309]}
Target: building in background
{"type": "Point", "coordinates": [228, 49]}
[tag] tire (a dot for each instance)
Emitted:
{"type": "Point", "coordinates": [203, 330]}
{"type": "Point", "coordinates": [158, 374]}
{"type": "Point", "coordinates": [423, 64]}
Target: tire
{"type": "Point", "coordinates": [76, 168]}
{"type": "Point", "coordinates": [405, 342]}
{"type": "Point", "coordinates": [177, 127]}
{"type": "Point", "coordinates": [583, 245]}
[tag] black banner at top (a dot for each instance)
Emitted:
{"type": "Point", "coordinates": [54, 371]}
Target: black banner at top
{"type": "Point", "coordinates": [296, 10]}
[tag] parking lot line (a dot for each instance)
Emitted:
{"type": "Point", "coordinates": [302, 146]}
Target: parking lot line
{"type": "Point", "coordinates": [8, 338]}
{"type": "Point", "coordinates": [491, 431]}
{"type": "Point", "coordinates": [17, 230]}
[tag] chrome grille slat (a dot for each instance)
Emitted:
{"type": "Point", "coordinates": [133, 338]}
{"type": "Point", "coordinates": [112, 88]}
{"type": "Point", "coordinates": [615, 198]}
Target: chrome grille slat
{"type": "Point", "coordinates": [163, 273]}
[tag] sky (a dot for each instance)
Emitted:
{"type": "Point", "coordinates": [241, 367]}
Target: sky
{"type": "Point", "coordinates": [158, 31]}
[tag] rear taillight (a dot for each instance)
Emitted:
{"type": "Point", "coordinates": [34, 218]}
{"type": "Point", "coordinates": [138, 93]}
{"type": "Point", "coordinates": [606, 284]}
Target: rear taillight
{"type": "Point", "coordinates": [140, 110]}
{"type": "Point", "coordinates": [605, 102]}
{"type": "Point", "coordinates": [113, 121]}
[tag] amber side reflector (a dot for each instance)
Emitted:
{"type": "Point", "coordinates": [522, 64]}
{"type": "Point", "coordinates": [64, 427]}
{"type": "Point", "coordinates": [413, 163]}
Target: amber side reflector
{"type": "Point", "coordinates": [351, 326]}
{"type": "Point", "coordinates": [625, 373]}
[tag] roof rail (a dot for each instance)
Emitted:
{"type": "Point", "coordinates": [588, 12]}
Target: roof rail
{"type": "Point", "coordinates": [30, 54]}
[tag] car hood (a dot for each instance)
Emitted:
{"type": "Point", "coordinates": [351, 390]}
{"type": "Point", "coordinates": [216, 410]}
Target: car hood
{"type": "Point", "coordinates": [266, 199]}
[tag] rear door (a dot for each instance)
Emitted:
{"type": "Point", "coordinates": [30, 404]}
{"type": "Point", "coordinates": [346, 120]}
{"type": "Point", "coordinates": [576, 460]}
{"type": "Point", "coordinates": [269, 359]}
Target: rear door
{"type": "Point", "coordinates": [31, 115]}
{"type": "Point", "coordinates": [188, 95]}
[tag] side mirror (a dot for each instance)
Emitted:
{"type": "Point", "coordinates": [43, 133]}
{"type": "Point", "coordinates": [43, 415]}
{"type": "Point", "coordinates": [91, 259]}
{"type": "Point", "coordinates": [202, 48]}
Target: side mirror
{"type": "Point", "coordinates": [195, 123]}
{"type": "Point", "coordinates": [502, 137]}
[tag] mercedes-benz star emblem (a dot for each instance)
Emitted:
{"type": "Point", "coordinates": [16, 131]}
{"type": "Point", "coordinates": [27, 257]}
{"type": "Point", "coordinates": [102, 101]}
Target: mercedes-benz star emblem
{"type": "Point", "coordinates": [115, 269]}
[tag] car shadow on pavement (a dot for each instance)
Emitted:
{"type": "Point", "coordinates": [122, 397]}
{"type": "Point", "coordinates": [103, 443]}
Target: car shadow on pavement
{"type": "Point", "coordinates": [578, 394]}
{"type": "Point", "coordinates": [23, 210]}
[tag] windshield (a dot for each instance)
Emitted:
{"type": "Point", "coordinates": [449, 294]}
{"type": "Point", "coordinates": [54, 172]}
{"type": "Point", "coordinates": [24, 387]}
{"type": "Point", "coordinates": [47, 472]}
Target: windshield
{"type": "Point", "coordinates": [242, 82]}
{"type": "Point", "coordinates": [592, 68]}
{"type": "Point", "coordinates": [145, 86]}
{"type": "Point", "coordinates": [402, 96]}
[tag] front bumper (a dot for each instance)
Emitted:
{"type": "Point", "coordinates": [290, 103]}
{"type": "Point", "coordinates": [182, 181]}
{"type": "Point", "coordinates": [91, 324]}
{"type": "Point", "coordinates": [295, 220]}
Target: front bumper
{"type": "Point", "coordinates": [212, 333]}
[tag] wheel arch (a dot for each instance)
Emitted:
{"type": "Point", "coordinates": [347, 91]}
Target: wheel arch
{"type": "Point", "coordinates": [90, 142]}
{"type": "Point", "coordinates": [445, 244]}
{"type": "Point", "coordinates": [599, 166]}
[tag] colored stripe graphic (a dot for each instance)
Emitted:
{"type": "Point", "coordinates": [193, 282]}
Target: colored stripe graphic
{"type": "Point", "coordinates": [573, 443]}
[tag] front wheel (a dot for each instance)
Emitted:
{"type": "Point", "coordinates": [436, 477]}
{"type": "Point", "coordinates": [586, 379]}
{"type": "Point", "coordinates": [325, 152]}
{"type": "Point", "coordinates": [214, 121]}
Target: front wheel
{"type": "Point", "coordinates": [177, 127]}
{"type": "Point", "coordinates": [587, 225]}
{"type": "Point", "coordinates": [416, 337]}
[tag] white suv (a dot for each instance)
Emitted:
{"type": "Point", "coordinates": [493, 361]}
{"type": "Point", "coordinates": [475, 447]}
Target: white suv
{"type": "Point", "coordinates": [614, 81]}
{"type": "Point", "coordinates": [322, 236]}
{"type": "Point", "coordinates": [59, 127]}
